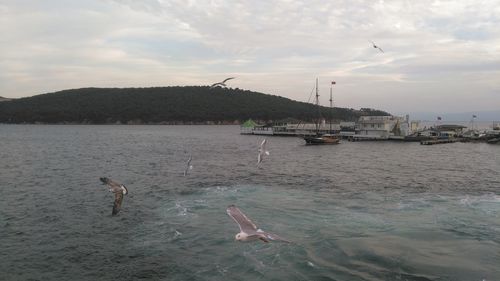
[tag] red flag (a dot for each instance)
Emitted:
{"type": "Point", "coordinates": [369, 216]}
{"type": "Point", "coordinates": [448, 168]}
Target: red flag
{"type": "Point", "coordinates": [333, 83]}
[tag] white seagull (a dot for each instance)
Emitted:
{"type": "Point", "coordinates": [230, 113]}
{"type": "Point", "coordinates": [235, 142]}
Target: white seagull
{"type": "Point", "coordinates": [119, 190]}
{"type": "Point", "coordinates": [248, 230]}
{"type": "Point", "coordinates": [223, 83]}
{"type": "Point", "coordinates": [188, 165]}
{"type": "Point", "coordinates": [262, 151]}
{"type": "Point", "coordinates": [376, 47]}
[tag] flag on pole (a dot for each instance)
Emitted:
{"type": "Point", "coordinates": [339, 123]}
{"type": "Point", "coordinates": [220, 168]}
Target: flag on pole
{"type": "Point", "coordinates": [474, 116]}
{"type": "Point", "coordinates": [439, 117]}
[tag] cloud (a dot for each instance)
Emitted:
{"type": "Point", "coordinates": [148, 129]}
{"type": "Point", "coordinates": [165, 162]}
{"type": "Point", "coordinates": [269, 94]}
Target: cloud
{"type": "Point", "coordinates": [439, 48]}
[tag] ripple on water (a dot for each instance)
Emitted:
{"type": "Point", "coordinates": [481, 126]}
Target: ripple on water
{"type": "Point", "coordinates": [356, 211]}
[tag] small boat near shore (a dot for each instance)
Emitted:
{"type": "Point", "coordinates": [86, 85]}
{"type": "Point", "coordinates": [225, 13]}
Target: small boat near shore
{"type": "Point", "coordinates": [322, 139]}
{"type": "Point", "coordinates": [493, 140]}
{"type": "Point", "coordinates": [318, 138]}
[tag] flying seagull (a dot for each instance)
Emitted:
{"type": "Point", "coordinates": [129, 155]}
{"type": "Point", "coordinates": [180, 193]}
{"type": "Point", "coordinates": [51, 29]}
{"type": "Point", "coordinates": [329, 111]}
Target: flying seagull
{"type": "Point", "coordinates": [119, 190]}
{"type": "Point", "coordinates": [188, 165]}
{"type": "Point", "coordinates": [376, 47]}
{"type": "Point", "coordinates": [223, 83]}
{"type": "Point", "coordinates": [248, 230]}
{"type": "Point", "coordinates": [262, 151]}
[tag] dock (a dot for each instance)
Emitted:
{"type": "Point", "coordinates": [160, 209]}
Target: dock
{"type": "Point", "coordinates": [438, 141]}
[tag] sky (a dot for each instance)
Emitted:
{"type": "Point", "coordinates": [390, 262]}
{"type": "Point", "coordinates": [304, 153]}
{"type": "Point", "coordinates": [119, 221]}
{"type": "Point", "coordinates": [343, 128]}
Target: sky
{"type": "Point", "coordinates": [439, 56]}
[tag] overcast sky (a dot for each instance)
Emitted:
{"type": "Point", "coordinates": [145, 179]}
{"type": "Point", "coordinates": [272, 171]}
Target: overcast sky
{"type": "Point", "coordinates": [441, 56]}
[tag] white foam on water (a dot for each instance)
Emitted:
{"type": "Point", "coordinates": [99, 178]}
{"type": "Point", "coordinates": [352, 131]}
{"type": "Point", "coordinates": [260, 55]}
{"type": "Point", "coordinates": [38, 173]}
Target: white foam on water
{"type": "Point", "coordinates": [221, 269]}
{"type": "Point", "coordinates": [465, 201]}
{"type": "Point", "coordinates": [181, 210]}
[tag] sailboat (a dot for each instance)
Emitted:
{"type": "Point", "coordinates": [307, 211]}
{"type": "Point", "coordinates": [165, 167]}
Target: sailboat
{"type": "Point", "coordinates": [322, 138]}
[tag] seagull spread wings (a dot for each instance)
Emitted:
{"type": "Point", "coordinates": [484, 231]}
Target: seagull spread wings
{"type": "Point", "coordinates": [245, 224]}
{"type": "Point", "coordinates": [223, 83]}
{"type": "Point", "coordinates": [248, 230]}
{"type": "Point", "coordinates": [376, 47]}
{"type": "Point", "coordinates": [119, 190]}
{"type": "Point", "coordinates": [262, 151]}
{"type": "Point", "coordinates": [188, 165]}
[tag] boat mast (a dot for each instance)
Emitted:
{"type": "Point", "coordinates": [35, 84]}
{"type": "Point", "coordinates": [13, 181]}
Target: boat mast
{"type": "Point", "coordinates": [319, 109]}
{"type": "Point", "coordinates": [331, 107]}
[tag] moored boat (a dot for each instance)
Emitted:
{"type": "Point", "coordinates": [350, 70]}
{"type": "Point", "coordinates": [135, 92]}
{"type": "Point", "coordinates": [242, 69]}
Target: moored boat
{"type": "Point", "coordinates": [321, 138]}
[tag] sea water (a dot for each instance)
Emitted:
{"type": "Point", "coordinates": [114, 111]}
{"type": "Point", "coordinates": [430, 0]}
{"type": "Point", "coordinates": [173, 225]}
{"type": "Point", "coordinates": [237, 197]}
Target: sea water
{"type": "Point", "coordinates": [354, 211]}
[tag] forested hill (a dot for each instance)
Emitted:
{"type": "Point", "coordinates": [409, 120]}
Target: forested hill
{"type": "Point", "coordinates": [163, 105]}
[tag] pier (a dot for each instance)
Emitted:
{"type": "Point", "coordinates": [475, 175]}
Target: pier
{"type": "Point", "coordinates": [376, 128]}
{"type": "Point", "coordinates": [438, 141]}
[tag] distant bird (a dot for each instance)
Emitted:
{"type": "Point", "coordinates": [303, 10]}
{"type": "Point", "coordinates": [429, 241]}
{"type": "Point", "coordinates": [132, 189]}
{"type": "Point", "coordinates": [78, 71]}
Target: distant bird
{"type": "Point", "coordinates": [188, 165]}
{"type": "Point", "coordinates": [119, 190]}
{"type": "Point", "coordinates": [248, 230]}
{"type": "Point", "coordinates": [376, 47]}
{"type": "Point", "coordinates": [262, 151]}
{"type": "Point", "coordinates": [223, 83]}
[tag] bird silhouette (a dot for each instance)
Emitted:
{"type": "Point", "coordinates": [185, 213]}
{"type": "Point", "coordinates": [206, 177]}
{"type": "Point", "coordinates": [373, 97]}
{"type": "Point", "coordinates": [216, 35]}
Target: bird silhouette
{"type": "Point", "coordinates": [222, 84]}
{"type": "Point", "coordinates": [376, 47]}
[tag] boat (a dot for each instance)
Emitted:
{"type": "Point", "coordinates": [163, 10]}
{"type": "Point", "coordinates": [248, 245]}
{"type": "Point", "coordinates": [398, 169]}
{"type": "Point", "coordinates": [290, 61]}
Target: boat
{"type": "Point", "coordinates": [493, 140]}
{"type": "Point", "coordinates": [318, 138]}
{"type": "Point", "coordinates": [322, 139]}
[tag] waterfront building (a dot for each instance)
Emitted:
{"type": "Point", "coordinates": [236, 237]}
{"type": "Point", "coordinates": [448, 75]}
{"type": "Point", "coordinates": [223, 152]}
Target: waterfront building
{"type": "Point", "coordinates": [382, 127]}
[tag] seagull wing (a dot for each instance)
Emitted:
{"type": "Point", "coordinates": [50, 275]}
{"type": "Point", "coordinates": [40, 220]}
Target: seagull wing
{"type": "Point", "coordinates": [271, 236]}
{"type": "Point", "coordinates": [245, 224]}
{"type": "Point", "coordinates": [263, 144]}
{"type": "Point", "coordinates": [115, 187]}
{"type": "Point", "coordinates": [188, 165]}
{"type": "Point", "coordinates": [118, 203]}
{"type": "Point", "coordinates": [380, 49]}
{"type": "Point", "coordinates": [259, 158]}
{"type": "Point", "coordinates": [227, 79]}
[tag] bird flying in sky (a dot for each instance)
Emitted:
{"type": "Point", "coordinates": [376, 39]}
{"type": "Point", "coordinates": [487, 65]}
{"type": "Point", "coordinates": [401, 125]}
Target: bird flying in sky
{"type": "Point", "coordinates": [376, 47]}
{"type": "Point", "coordinates": [222, 84]}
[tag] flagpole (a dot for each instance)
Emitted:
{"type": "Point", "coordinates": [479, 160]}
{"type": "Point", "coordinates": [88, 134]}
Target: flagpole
{"type": "Point", "coordinates": [438, 122]}
{"type": "Point", "coordinates": [331, 107]}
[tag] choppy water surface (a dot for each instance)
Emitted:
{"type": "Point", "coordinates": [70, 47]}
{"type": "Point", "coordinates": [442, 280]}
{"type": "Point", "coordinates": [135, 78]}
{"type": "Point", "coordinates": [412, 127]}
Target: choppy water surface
{"type": "Point", "coordinates": [355, 211]}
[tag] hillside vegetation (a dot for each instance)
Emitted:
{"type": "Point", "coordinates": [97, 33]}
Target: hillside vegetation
{"type": "Point", "coordinates": [164, 105]}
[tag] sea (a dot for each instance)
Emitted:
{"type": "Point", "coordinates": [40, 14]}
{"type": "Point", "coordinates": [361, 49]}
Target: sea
{"type": "Point", "coordinates": [353, 211]}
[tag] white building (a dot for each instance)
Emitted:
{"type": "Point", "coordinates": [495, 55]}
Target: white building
{"type": "Point", "coordinates": [382, 127]}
